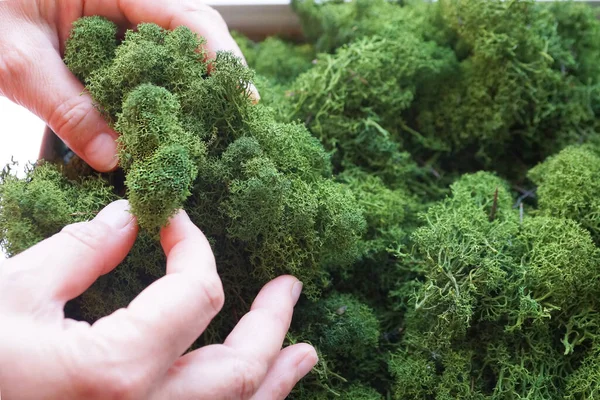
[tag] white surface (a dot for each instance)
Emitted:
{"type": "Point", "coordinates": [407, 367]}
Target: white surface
{"type": "Point", "coordinates": [20, 133]}
{"type": "Point", "coordinates": [20, 136]}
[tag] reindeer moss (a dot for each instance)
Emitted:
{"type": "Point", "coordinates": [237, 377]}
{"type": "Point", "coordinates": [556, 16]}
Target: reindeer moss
{"type": "Point", "coordinates": [427, 169]}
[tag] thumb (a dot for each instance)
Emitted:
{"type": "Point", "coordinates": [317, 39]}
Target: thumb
{"type": "Point", "coordinates": [33, 74]}
{"type": "Point", "coordinates": [65, 265]}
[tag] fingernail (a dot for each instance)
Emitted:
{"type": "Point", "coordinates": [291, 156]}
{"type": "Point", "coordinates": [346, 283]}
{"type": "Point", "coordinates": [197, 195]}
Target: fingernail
{"type": "Point", "coordinates": [180, 217]}
{"type": "Point", "coordinates": [116, 214]}
{"type": "Point", "coordinates": [296, 291]}
{"type": "Point", "coordinates": [254, 95]}
{"type": "Point", "coordinates": [101, 152]}
{"type": "Point", "coordinates": [181, 214]}
{"type": "Point", "coordinates": [307, 363]}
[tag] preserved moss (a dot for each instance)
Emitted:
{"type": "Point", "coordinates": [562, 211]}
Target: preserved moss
{"type": "Point", "coordinates": [427, 169]}
{"type": "Point", "coordinates": [499, 79]}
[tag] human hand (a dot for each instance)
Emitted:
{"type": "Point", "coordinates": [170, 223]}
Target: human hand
{"type": "Point", "coordinates": [136, 352]}
{"type": "Point", "coordinates": [32, 73]}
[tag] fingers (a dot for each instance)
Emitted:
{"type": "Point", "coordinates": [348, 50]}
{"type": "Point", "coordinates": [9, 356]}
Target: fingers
{"type": "Point", "coordinates": [291, 365]}
{"type": "Point", "coordinates": [237, 369]}
{"type": "Point", "coordinates": [63, 266]}
{"type": "Point", "coordinates": [33, 75]}
{"type": "Point", "coordinates": [217, 372]}
{"type": "Point", "coordinates": [194, 14]}
{"type": "Point", "coordinates": [166, 318]}
{"type": "Point", "coordinates": [260, 333]}
{"type": "Point", "coordinates": [199, 17]}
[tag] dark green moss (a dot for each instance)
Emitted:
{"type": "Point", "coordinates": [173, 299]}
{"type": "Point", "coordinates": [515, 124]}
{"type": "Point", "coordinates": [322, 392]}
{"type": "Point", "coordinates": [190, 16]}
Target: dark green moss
{"type": "Point", "coordinates": [568, 187]}
{"type": "Point", "coordinates": [41, 203]}
{"type": "Point", "coordinates": [91, 45]}
{"type": "Point", "coordinates": [193, 139]}
{"type": "Point", "coordinates": [496, 315]}
{"type": "Point", "coordinates": [362, 173]}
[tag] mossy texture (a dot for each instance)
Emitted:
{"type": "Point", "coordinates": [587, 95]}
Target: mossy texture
{"type": "Point", "coordinates": [428, 170]}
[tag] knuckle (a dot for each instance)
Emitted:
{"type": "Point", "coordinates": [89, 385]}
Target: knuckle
{"type": "Point", "coordinates": [69, 117]}
{"type": "Point", "coordinates": [248, 377]}
{"type": "Point", "coordinates": [14, 62]}
{"type": "Point", "coordinates": [212, 290]}
{"type": "Point", "coordinates": [90, 235]}
{"type": "Point", "coordinates": [123, 386]}
{"type": "Point", "coordinates": [272, 318]}
{"type": "Point", "coordinates": [278, 317]}
{"type": "Point", "coordinates": [113, 386]}
{"type": "Point", "coordinates": [283, 386]}
{"type": "Point", "coordinates": [107, 382]}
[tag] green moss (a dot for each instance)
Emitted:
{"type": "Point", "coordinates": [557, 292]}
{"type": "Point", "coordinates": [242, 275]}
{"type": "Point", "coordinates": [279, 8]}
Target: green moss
{"type": "Point", "coordinates": [585, 382]}
{"type": "Point", "coordinates": [159, 185]}
{"type": "Point", "coordinates": [562, 260]}
{"type": "Point", "coordinates": [415, 376]}
{"type": "Point", "coordinates": [41, 203]}
{"type": "Point", "coordinates": [160, 157]}
{"type": "Point", "coordinates": [496, 315]}
{"type": "Point", "coordinates": [580, 36]}
{"type": "Point", "coordinates": [344, 321]}
{"type": "Point", "coordinates": [508, 93]}
{"type": "Point", "coordinates": [467, 254]}
{"type": "Point", "coordinates": [361, 392]}
{"type": "Point", "coordinates": [276, 58]}
{"type": "Point", "coordinates": [331, 24]}
{"type": "Point", "coordinates": [388, 173]}
{"type": "Point", "coordinates": [568, 187]}
{"type": "Point", "coordinates": [518, 80]}
{"type": "Point", "coordinates": [91, 45]}
{"type": "Point", "coordinates": [192, 139]}
{"type": "Point", "coordinates": [388, 212]}
{"type": "Point", "coordinates": [343, 329]}
{"type": "Point", "coordinates": [353, 102]}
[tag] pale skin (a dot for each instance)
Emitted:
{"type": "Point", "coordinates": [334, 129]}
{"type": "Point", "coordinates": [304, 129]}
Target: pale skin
{"type": "Point", "coordinates": [138, 352]}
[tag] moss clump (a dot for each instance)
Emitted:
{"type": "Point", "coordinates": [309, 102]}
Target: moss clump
{"type": "Point", "coordinates": [353, 101]}
{"type": "Point", "coordinates": [499, 79]}
{"type": "Point", "coordinates": [276, 64]}
{"type": "Point", "coordinates": [395, 173]}
{"type": "Point", "coordinates": [337, 322]}
{"type": "Point", "coordinates": [568, 187]}
{"type": "Point", "coordinates": [354, 392]}
{"type": "Point", "coordinates": [344, 330]}
{"type": "Point", "coordinates": [160, 157]}
{"type": "Point", "coordinates": [332, 24]}
{"type": "Point", "coordinates": [276, 58]}
{"type": "Point", "coordinates": [91, 45]}
{"type": "Point", "coordinates": [585, 382]}
{"type": "Point", "coordinates": [194, 140]}
{"type": "Point", "coordinates": [509, 91]}
{"type": "Point", "coordinates": [496, 316]}
{"type": "Point", "coordinates": [41, 203]}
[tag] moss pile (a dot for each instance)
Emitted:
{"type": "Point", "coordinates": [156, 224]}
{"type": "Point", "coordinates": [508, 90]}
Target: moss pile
{"type": "Point", "coordinates": [427, 169]}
